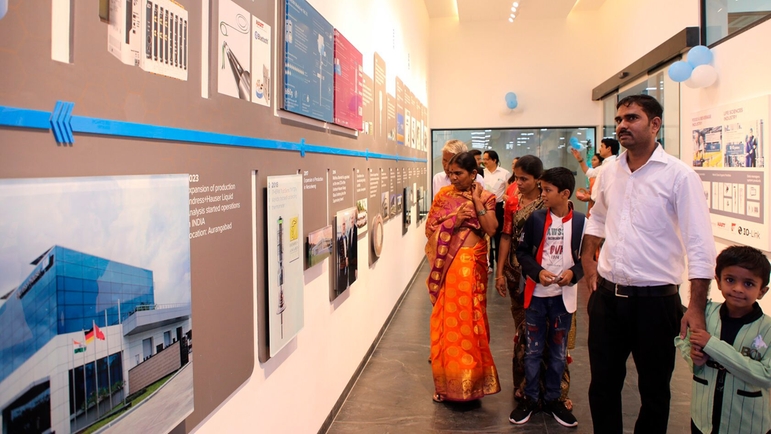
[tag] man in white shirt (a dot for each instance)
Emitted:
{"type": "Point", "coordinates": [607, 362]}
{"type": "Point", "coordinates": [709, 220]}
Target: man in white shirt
{"type": "Point", "coordinates": [608, 150]}
{"type": "Point", "coordinates": [495, 182]}
{"type": "Point", "coordinates": [652, 215]}
{"type": "Point", "coordinates": [442, 179]}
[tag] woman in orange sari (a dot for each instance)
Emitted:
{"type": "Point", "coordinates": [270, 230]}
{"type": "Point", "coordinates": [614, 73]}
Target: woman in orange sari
{"type": "Point", "coordinates": [460, 216]}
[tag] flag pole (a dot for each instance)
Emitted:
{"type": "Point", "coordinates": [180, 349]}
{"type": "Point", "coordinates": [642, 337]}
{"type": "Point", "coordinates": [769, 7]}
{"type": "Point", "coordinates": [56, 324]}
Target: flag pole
{"type": "Point", "coordinates": [85, 389]}
{"type": "Point", "coordinates": [107, 341]}
{"type": "Point", "coordinates": [96, 373]}
{"type": "Point", "coordinates": [120, 321]}
{"type": "Point", "coordinates": [72, 377]}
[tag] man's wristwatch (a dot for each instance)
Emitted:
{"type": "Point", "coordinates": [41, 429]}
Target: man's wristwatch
{"type": "Point", "coordinates": [481, 212]}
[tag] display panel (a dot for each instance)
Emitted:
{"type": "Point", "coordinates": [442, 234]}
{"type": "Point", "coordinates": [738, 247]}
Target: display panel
{"type": "Point", "coordinates": [284, 256]}
{"type": "Point", "coordinates": [729, 154]}
{"type": "Point", "coordinates": [348, 83]}
{"type": "Point", "coordinates": [308, 63]}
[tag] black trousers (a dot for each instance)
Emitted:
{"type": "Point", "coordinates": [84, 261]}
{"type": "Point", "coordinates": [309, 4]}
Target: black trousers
{"type": "Point", "coordinates": [496, 239]}
{"type": "Point", "coordinates": [644, 327]}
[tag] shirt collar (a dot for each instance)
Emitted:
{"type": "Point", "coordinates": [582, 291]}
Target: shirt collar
{"type": "Point", "coordinates": [658, 156]}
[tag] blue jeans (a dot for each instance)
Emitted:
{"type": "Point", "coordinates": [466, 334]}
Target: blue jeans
{"type": "Point", "coordinates": [547, 323]}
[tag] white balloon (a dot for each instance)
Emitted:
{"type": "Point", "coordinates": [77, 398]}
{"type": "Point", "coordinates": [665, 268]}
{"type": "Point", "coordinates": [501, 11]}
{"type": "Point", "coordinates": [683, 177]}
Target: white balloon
{"type": "Point", "coordinates": [690, 83]}
{"type": "Point", "coordinates": [704, 75]}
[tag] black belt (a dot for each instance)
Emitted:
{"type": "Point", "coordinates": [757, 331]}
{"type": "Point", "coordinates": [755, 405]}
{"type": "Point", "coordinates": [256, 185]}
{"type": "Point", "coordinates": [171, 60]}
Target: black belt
{"type": "Point", "coordinates": [635, 291]}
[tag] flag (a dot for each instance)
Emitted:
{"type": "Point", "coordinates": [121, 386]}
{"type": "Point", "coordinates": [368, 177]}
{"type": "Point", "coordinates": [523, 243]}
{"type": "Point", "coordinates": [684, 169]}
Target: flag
{"type": "Point", "coordinates": [89, 336]}
{"type": "Point", "coordinates": [79, 348]}
{"type": "Point", "coordinates": [99, 334]}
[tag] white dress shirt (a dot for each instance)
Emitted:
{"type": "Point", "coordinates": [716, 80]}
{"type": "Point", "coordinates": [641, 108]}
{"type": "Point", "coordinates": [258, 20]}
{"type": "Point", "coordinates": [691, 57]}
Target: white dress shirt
{"type": "Point", "coordinates": [496, 182]}
{"type": "Point", "coordinates": [650, 219]}
{"type": "Point", "coordinates": [442, 180]}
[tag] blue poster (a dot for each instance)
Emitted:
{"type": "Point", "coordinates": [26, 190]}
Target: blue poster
{"type": "Point", "coordinates": [308, 62]}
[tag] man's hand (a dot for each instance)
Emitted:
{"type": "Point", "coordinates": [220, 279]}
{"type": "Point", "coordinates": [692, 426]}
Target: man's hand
{"type": "Point", "coordinates": [590, 245]}
{"type": "Point", "coordinates": [694, 316]}
{"type": "Point", "coordinates": [576, 154]}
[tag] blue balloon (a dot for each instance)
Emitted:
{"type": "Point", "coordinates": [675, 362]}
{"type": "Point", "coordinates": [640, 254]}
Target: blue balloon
{"type": "Point", "coordinates": [574, 143]}
{"type": "Point", "coordinates": [511, 96]}
{"type": "Point", "coordinates": [512, 104]}
{"type": "Point", "coordinates": [680, 71]}
{"type": "Point", "coordinates": [699, 55]}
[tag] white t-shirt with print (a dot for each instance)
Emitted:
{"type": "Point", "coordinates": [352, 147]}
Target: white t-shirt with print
{"type": "Point", "coordinates": [552, 259]}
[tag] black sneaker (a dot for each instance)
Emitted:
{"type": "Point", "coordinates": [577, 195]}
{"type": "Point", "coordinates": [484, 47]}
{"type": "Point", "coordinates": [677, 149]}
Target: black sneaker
{"type": "Point", "coordinates": [560, 413]}
{"type": "Point", "coordinates": [524, 410]}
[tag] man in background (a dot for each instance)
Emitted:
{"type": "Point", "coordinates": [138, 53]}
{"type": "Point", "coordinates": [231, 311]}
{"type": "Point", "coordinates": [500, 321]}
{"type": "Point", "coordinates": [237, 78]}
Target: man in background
{"type": "Point", "coordinates": [450, 149]}
{"type": "Point", "coordinates": [495, 177]}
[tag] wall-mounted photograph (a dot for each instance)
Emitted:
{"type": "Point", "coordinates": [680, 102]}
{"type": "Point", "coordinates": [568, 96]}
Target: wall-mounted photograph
{"type": "Point", "coordinates": [345, 265]}
{"type": "Point", "coordinates": [361, 217]}
{"type": "Point", "coordinates": [95, 302]}
{"type": "Point", "coordinates": [407, 215]}
{"type": "Point", "coordinates": [384, 204]}
{"type": "Point", "coordinates": [320, 246]}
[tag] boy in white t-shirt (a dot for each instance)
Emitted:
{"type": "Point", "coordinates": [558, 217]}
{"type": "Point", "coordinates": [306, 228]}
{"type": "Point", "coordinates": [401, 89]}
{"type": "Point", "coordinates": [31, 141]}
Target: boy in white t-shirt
{"type": "Point", "coordinates": [548, 253]}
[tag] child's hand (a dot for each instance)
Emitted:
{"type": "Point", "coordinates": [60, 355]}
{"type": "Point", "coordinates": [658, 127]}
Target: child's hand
{"type": "Point", "coordinates": [698, 356]}
{"type": "Point", "coordinates": [699, 338]}
{"type": "Point", "coordinates": [565, 278]}
{"type": "Point", "coordinates": [547, 277]}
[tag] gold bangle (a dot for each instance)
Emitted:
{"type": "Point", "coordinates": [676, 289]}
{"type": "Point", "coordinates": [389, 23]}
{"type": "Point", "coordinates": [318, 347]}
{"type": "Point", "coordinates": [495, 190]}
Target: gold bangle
{"type": "Point", "coordinates": [500, 277]}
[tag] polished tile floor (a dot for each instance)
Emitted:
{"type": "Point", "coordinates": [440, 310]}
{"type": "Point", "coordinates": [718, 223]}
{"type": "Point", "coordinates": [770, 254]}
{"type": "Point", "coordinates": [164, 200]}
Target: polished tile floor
{"type": "Point", "coordinates": [393, 393]}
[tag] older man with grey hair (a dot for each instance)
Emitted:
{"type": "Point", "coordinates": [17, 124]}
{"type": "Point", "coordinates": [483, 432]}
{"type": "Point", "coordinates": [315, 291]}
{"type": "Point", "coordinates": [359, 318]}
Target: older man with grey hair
{"type": "Point", "coordinates": [450, 149]}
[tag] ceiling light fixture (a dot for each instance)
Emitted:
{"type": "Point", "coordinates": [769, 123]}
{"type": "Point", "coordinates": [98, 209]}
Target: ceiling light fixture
{"type": "Point", "coordinates": [511, 20]}
{"type": "Point", "coordinates": [513, 8]}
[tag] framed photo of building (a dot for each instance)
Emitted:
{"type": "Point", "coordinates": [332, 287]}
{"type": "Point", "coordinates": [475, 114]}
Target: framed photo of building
{"type": "Point", "coordinates": [100, 305]}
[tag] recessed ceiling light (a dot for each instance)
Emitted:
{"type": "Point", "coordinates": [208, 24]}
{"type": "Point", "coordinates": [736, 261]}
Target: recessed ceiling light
{"type": "Point", "coordinates": [513, 16]}
{"type": "Point", "coordinates": [515, 4]}
{"type": "Point", "coordinates": [511, 20]}
{"type": "Point", "coordinates": [513, 8]}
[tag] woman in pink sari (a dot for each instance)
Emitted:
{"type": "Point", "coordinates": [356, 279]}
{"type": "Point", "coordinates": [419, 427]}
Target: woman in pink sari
{"type": "Point", "coordinates": [460, 216]}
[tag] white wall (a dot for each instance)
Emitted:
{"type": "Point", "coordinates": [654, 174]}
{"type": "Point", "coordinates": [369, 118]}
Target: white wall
{"type": "Point", "coordinates": [552, 65]}
{"type": "Point", "coordinates": [294, 391]}
{"type": "Point", "coordinates": [736, 82]}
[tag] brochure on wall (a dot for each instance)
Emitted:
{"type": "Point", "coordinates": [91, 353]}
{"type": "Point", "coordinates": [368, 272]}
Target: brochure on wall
{"type": "Point", "coordinates": [380, 99]}
{"type": "Point", "coordinates": [233, 54]}
{"type": "Point", "coordinates": [348, 83]}
{"type": "Point", "coordinates": [391, 119]}
{"type": "Point", "coordinates": [285, 260]}
{"type": "Point", "coordinates": [729, 149]}
{"type": "Point", "coordinates": [261, 73]}
{"type": "Point", "coordinates": [308, 63]}
{"type": "Point", "coordinates": [399, 112]}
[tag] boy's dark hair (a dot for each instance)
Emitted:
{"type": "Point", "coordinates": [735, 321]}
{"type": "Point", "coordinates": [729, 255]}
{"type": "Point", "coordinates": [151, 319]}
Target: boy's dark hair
{"type": "Point", "coordinates": [561, 178]}
{"type": "Point", "coordinates": [475, 152]}
{"type": "Point", "coordinates": [531, 165]}
{"type": "Point", "coordinates": [650, 106]}
{"type": "Point", "coordinates": [466, 161]}
{"type": "Point", "coordinates": [612, 144]}
{"type": "Point", "coordinates": [749, 258]}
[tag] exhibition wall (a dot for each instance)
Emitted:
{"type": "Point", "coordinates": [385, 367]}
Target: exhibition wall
{"type": "Point", "coordinates": [194, 90]}
{"type": "Point", "coordinates": [551, 64]}
{"type": "Point", "coordinates": [736, 83]}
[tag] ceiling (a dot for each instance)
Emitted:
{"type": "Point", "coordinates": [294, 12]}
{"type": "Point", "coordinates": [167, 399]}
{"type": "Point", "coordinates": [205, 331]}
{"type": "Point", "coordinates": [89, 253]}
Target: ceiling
{"type": "Point", "coordinates": [498, 10]}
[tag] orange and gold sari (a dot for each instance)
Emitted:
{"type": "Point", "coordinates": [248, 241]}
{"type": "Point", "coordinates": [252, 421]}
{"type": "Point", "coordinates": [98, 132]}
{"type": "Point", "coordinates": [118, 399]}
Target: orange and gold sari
{"type": "Point", "coordinates": [461, 361]}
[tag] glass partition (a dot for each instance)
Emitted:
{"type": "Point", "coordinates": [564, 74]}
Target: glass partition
{"type": "Point", "coordinates": [551, 145]}
{"type": "Point", "coordinates": [723, 18]}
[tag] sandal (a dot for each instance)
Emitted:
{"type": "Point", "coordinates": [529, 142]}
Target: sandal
{"type": "Point", "coordinates": [437, 398]}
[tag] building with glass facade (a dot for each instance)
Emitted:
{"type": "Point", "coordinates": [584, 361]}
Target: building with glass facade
{"type": "Point", "coordinates": [45, 385]}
